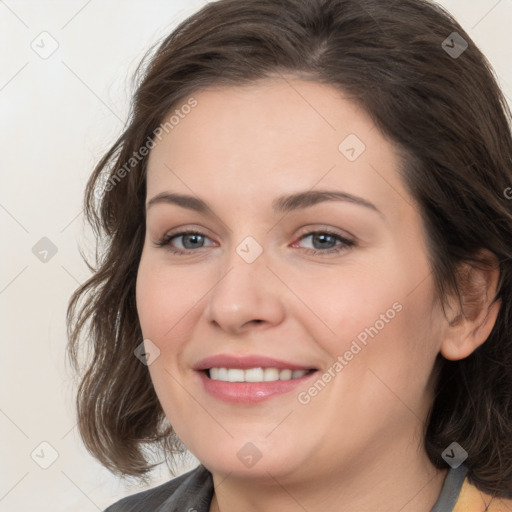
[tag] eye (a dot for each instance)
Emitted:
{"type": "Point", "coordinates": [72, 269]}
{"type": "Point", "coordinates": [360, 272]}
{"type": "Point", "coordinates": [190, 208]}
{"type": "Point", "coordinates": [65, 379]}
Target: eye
{"type": "Point", "coordinates": [326, 242]}
{"type": "Point", "coordinates": [190, 240]}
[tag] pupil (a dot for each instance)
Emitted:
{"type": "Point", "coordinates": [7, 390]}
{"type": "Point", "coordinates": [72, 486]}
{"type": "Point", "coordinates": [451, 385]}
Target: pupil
{"type": "Point", "coordinates": [322, 238]}
{"type": "Point", "coordinates": [194, 238]}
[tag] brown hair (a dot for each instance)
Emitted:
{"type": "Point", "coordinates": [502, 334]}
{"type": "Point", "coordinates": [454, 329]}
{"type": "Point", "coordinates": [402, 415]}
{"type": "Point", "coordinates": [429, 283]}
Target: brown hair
{"type": "Point", "coordinates": [447, 116]}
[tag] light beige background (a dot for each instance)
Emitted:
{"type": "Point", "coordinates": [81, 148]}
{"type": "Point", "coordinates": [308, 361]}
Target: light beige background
{"type": "Point", "coordinates": [57, 116]}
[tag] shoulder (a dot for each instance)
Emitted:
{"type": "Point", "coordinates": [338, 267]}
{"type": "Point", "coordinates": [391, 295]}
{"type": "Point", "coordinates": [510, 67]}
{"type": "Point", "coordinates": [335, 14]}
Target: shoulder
{"type": "Point", "coordinates": [193, 489]}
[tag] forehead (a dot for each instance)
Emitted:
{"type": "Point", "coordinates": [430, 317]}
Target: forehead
{"type": "Point", "coordinates": [274, 136]}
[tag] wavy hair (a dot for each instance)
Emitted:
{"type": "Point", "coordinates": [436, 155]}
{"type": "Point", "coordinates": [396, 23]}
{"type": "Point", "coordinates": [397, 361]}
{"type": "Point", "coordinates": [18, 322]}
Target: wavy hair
{"type": "Point", "coordinates": [442, 107]}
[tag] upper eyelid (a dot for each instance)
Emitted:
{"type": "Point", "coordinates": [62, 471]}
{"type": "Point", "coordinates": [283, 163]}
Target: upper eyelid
{"type": "Point", "coordinates": [304, 231]}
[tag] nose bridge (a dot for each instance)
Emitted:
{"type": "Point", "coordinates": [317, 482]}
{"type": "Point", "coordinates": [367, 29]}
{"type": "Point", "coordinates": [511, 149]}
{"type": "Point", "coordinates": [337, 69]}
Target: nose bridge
{"type": "Point", "coordinates": [245, 292]}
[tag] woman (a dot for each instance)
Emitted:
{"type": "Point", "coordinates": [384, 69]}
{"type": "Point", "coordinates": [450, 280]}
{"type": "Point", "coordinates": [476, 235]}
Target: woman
{"type": "Point", "coordinates": [307, 278]}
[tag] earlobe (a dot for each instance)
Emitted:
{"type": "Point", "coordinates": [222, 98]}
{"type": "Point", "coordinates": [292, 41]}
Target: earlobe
{"type": "Point", "coordinates": [466, 330]}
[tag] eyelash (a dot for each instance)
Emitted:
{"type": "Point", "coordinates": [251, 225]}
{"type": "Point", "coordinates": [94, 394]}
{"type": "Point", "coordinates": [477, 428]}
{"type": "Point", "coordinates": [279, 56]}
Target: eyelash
{"type": "Point", "coordinates": [345, 243]}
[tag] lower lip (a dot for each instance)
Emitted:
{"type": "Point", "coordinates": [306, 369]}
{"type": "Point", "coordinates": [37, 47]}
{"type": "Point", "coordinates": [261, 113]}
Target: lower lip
{"type": "Point", "coordinates": [249, 392]}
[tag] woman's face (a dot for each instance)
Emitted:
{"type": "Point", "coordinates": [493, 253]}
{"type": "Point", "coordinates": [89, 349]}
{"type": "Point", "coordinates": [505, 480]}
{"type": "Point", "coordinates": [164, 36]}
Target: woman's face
{"type": "Point", "coordinates": [310, 267]}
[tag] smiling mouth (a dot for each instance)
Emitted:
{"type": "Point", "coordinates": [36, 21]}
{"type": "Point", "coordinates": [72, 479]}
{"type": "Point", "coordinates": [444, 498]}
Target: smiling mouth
{"type": "Point", "coordinates": [255, 374]}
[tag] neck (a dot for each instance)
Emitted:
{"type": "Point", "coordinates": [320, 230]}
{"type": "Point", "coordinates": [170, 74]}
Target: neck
{"type": "Point", "coordinates": [407, 486]}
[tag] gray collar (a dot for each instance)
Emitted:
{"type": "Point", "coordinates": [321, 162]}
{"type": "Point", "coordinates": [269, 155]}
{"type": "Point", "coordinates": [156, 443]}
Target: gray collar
{"type": "Point", "coordinates": [451, 489]}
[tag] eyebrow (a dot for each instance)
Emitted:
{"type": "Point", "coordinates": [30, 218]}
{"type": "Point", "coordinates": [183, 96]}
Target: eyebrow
{"type": "Point", "coordinates": [283, 204]}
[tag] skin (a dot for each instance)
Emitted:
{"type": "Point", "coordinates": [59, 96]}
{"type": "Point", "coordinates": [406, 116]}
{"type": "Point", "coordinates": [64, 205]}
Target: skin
{"type": "Point", "coordinates": [357, 444]}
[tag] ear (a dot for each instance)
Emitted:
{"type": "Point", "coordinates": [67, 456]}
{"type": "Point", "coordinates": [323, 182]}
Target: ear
{"type": "Point", "coordinates": [468, 328]}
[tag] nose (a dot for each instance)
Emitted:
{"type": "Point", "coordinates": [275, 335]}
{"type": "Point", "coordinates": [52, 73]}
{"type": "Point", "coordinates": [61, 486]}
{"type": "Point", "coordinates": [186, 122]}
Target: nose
{"type": "Point", "coordinates": [246, 296]}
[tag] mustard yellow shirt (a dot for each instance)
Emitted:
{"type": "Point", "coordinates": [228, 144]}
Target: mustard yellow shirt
{"type": "Point", "coordinates": [472, 500]}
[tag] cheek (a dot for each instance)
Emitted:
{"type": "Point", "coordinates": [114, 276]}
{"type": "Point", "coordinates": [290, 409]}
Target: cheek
{"type": "Point", "coordinates": [344, 303]}
{"type": "Point", "coordinates": [151, 301]}
{"type": "Point", "coordinates": [379, 320]}
{"type": "Point", "coordinates": [164, 296]}
{"type": "Point", "coordinates": [161, 302]}
{"type": "Point", "coordinates": [384, 346]}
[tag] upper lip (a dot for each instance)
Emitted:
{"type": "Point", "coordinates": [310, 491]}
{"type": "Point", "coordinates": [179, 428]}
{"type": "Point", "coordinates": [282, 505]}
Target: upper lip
{"type": "Point", "coordinates": [247, 361]}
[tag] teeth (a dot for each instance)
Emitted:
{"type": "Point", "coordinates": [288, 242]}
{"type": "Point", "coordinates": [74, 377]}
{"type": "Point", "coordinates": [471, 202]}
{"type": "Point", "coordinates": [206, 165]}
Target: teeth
{"type": "Point", "coordinates": [270, 374]}
{"type": "Point", "coordinates": [254, 374]}
{"type": "Point", "coordinates": [285, 374]}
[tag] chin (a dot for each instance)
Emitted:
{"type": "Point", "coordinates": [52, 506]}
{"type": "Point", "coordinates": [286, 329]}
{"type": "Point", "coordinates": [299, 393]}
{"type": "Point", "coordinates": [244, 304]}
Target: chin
{"type": "Point", "coordinates": [242, 458]}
